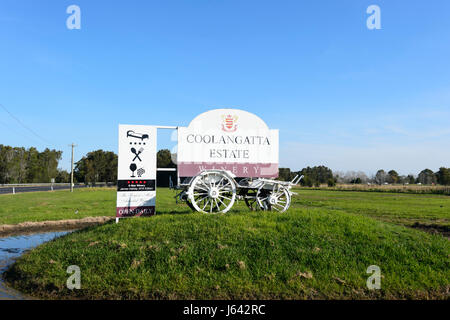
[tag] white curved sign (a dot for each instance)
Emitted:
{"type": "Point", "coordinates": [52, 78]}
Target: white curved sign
{"type": "Point", "coordinates": [229, 139]}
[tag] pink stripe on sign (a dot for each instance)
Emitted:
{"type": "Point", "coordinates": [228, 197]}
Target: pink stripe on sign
{"type": "Point", "coordinates": [122, 212]}
{"type": "Point", "coordinates": [241, 170]}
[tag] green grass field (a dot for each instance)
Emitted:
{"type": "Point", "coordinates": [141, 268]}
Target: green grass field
{"type": "Point", "coordinates": [320, 248]}
{"type": "Point", "coordinates": [57, 205]}
{"type": "Point", "coordinates": [400, 208]}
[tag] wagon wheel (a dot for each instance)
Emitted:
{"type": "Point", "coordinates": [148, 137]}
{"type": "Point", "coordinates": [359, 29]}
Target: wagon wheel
{"type": "Point", "coordinates": [251, 200]}
{"type": "Point", "coordinates": [277, 199]}
{"type": "Point", "coordinates": [212, 192]}
{"type": "Point", "coordinates": [188, 202]}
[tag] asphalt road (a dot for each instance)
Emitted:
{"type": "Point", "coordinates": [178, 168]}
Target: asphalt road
{"type": "Point", "coordinates": [6, 190]}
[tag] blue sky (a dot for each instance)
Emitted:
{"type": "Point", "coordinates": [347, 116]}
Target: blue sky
{"type": "Point", "coordinates": [342, 95]}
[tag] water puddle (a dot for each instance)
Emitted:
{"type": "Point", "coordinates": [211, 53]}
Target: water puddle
{"type": "Point", "coordinates": [11, 248]}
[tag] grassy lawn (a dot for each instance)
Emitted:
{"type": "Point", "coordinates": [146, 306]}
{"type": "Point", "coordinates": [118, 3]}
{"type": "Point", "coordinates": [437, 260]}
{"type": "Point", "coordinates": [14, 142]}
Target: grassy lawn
{"type": "Point", "coordinates": [320, 248]}
{"type": "Point", "coordinates": [400, 208]}
{"type": "Point", "coordinates": [57, 205]}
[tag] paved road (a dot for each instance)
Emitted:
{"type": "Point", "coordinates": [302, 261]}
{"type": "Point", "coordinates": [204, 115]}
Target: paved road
{"type": "Point", "coordinates": [6, 190]}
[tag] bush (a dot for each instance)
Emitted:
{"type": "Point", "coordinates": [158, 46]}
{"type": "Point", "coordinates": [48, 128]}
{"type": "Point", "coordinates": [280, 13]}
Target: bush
{"type": "Point", "coordinates": [331, 182]}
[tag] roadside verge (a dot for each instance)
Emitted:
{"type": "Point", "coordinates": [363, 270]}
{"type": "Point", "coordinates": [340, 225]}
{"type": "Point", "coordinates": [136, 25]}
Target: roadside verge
{"type": "Point", "coordinates": [57, 225]}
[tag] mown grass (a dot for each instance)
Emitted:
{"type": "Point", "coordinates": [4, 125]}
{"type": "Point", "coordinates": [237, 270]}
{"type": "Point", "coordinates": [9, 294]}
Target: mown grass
{"type": "Point", "coordinates": [397, 188]}
{"type": "Point", "coordinates": [320, 248]}
{"type": "Point", "coordinates": [57, 205]}
{"type": "Point", "coordinates": [400, 208]}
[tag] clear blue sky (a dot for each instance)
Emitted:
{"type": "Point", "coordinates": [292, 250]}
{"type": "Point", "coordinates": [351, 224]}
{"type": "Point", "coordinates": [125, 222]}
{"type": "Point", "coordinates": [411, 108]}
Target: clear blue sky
{"type": "Point", "coordinates": [342, 95]}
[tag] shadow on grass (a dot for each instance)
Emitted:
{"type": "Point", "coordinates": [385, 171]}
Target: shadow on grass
{"type": "Point", "coordinates": [167, 212]}
{"type": "Point", "coordinates": [432, 228]}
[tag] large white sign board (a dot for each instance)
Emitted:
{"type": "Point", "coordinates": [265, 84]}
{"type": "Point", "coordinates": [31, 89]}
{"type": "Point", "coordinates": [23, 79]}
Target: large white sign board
{"type": "Point", "coordinates": [136, 175]}
{"type": "Point", "coordinates": [228, 139]}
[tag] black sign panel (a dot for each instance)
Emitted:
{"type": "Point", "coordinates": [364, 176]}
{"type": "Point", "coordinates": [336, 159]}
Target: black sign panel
{"type": "Point", "coordinates": [136, 185]}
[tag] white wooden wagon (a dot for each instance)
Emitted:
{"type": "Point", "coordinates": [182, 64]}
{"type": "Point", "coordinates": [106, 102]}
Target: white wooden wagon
{"type": "Point", "coordinates": [215, 191]}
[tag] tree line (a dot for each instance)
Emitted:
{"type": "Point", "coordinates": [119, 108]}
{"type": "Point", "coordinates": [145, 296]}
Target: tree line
{"type": "Point", "coordinates": [101, 166]}
{"type": "Point", "coordinates": [318, 175]}
{"type": "Point", "coordinates": [20, 165]}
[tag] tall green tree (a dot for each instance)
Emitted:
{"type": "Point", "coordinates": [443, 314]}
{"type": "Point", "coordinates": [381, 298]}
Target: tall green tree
{"type": "Point", "coordinates": [381, 177]}
{"type": "Point", "coordinates": [164, 159]}
{"type": "Point", "coordinates": [410, 179]}
{"type": "Point", "coordinates": [20, 165]}
{"type": "Point", "coordinates": [285, 174]}
{"type": "Point", "coordinates": [393, 177]}
{"type": "Point", "coordinates": [426, 177]}
{"type": "Point", "coordinates": [62, 176]}
{"type": "Point", "coordinates": [97, 166]}
{"type": "Point", "coordinates": [315, 175]}
{"type": "Point", "coordinates": [443, 176]}
{"type": "Point", "coordinates": [48, 162]}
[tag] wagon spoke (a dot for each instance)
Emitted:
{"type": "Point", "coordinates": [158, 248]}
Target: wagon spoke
{"type": "Point", "coordinates": [225, 198]}
{"type": "Point", "coordinates": [210, 181]}
{"type": "Point", "coordinates": [217, 204]}
{"type": "Point", "coordinates": [222, 202]}
{"type": "Point", "coordinates": [201, 188]}
{"type": "Point", "coordinates": [202, 199]}
{"type": "Point", "coordinates": [228, 183]}
{"type": "Point", "coordinates": [220, 181]}
{"type": "Point", "coordinates": [206, 203]}
{"type": "Point", "coordinates": [204, 184]}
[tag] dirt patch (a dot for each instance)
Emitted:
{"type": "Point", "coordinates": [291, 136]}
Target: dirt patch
{"type": "Point", "coordinates": [58, 225]}
{"type": "Point", "coordinates": [433, 228]}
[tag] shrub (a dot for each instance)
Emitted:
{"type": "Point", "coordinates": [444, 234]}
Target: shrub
{"type": "Point", "coordinates": [331, 182]}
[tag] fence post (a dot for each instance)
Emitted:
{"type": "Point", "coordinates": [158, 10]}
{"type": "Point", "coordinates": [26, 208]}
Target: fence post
{"type": "Point", "coordinates": [14, 190]}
